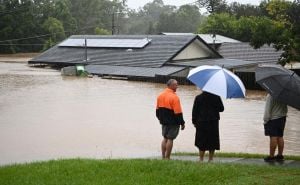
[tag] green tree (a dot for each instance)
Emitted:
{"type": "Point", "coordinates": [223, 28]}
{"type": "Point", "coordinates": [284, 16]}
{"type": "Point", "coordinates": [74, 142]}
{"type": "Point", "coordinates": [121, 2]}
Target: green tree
{"type": "Point", "coordinates": [55, 28]}
{"type": "Point", "coordinates": [279, 27]}
{"type": "Point", "coordinates": [245, 10]}
{"type": "Point", "coordinates": [283, 29]}
{"type": "Point", "coordinates": [277, 10]}
{"type": "Point", "coordinates": [243, 28]}
{"type": "Point", "coordinates": [267, 31]}
{"type": "Point", "coordinates": [293, 49]}
{"type": "Point", "coordinates": [153, 9]}
{"type": "Point", "coordinates": [167, 22]}
{"type": "Point", "coordinates": [186, 19]}
{"type": "Point", "coordinates": [90, 14]}
{"type": "Point", "coordinates": [151, 29]}
{"type": "Point", "coordinates": [223, 24]}
{"type": "Point", "coordinates": [101, 31]}
{"type": "Point", "coordinates": [138, 23]}
{"type": "Point", "coordinates": [18, 22]}
{"type": "Point", "coordinates": [146, 20]}
{"type": "Point", "coordinates": [63, 14]}
{"type": "Point", "coordinates": [25, 25]}
{"type": "Point", "coordinates": [22, 23]}
{"type": "Point", "coordinates": [213, 6]}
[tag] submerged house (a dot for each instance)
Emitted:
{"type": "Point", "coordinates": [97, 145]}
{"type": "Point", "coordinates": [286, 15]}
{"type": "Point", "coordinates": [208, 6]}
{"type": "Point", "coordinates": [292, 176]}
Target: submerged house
{"type": "Point", "coordinates": [152, 57]}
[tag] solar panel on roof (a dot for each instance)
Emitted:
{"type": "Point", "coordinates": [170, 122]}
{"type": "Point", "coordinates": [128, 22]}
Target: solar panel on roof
{"type": "Point", "coordinates": [106, 43]}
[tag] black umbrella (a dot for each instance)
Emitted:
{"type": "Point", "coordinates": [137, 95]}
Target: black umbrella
{"type": "Point", "coordinates": [281, 83]}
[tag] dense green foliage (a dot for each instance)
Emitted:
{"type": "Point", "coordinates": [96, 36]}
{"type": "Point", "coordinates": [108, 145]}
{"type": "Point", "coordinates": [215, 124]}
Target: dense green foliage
{"type": "Point", "coordinates": [274, 22]}
{"type": "Point", "coordinates": [155, 17]}
{"type": "Point", "coordinates": [35, 25]}
{"type": "Point", "coordinates": [185, 19]}
{"type": "Point", "coordinates": [80, 171]}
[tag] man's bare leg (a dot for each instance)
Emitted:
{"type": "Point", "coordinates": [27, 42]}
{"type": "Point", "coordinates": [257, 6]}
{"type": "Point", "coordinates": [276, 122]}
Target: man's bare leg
{"type": "Point", "coordinates": [273, 146]}
{"type": "Point", "coordinates": [169, 147]}
{"type": "Point", "coordinates": [201, 155]}
{"type": "Point", "coordinates": [280, 143]}
{"type": "Point", "coordinates": [211, 155]}
{"type": "Point", "coordinates": [164, 148]}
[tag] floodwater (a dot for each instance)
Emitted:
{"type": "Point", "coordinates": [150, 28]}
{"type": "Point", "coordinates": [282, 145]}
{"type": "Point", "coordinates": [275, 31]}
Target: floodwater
{"type": "Point", "coordinates": [46, 116]}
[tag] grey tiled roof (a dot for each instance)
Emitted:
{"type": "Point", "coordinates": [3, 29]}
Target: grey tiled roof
{"type": "Point", "coordinates": [208, 38]}
{"type": "Point", "coordinates": [244, 51]}
{"type": "Point", "coordinates": [223, 62]}
{"type": "Point", "coordinates": [131, 71]}
{"type": "Point", "coordinates": [161, 49]}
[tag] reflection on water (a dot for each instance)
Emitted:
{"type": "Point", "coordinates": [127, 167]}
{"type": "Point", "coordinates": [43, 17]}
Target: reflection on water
{"type": "Point", "coordinates": [44, 116]}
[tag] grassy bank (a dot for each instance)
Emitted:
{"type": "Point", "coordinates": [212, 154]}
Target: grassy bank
{"type": "Point", "coordinates": [240, 155]}
{"type": "Point", "coordinates": [128, 172]}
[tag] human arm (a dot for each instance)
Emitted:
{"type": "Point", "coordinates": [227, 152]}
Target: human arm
{"type": "Point", "coordinates": [157, 111]}
{"type": "Point", "coordinates": [178, 112]}
{"type": "Point", "coordinates": [267, 113]}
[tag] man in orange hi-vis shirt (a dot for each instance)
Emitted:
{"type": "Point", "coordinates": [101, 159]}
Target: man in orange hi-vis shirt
{"type": "Point", "coordinates": [169, 114]}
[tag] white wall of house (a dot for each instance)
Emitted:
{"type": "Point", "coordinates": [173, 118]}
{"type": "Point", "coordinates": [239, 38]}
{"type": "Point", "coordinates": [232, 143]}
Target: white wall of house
{"type": "Point", "coordinates": [195, 50]}
{"type": "Point", "coordinates": [182, 73]}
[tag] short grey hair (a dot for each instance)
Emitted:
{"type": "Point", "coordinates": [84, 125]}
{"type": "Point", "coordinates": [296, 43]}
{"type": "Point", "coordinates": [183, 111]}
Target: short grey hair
{"type": "Point", "coordinates": [170, 82]}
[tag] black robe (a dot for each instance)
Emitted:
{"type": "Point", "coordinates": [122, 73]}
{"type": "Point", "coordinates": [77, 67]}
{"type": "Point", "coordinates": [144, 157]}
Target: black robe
{"type": "Point", "coordinates": [205, 117]}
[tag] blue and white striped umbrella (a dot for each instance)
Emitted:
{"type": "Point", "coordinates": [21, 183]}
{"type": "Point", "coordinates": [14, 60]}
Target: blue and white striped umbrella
{"type": "Point", "coordinates": [217, 80]}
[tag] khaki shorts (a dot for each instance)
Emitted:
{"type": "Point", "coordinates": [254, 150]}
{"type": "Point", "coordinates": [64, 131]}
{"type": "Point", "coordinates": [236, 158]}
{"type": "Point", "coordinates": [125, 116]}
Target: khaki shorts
{"type": "Point", "coordinates": [170, 131]}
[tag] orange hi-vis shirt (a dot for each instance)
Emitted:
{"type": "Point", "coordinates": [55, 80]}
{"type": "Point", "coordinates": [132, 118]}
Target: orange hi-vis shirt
{"type": "Point", "coordinates": [168, 108]}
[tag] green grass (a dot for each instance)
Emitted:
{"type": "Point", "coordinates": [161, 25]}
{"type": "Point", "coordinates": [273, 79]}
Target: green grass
{"type": "Point", "coordinates": [143, 171]}
{"type": "Point", "coordinates": [239, 155]}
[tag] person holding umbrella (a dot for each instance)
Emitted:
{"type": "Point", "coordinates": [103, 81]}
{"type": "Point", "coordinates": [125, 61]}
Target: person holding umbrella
{"type": "Point", "coordinates": [283, 86]}
{"type": "Point", "coordinates": [205, 117]}
{"type": "Point", "coordinates": [215, 82]}
{"type": "Point", "coordinates": [274, 123]}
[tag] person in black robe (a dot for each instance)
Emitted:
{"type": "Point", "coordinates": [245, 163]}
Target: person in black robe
{"type": "Point", "coordinates": [205, 117]}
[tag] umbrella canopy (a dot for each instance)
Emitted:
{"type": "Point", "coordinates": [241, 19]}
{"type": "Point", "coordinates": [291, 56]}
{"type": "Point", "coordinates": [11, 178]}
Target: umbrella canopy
{"type": "Point", "coordinates": [282, 84]}
{"type": "Point", "coordinates": [217, 80]}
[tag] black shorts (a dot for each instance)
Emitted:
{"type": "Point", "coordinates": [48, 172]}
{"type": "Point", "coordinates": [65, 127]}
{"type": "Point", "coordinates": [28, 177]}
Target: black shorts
{"type": "Point", "coordinates": [275, 127]}
{"type": "Point", "coordinates": [170, 131]}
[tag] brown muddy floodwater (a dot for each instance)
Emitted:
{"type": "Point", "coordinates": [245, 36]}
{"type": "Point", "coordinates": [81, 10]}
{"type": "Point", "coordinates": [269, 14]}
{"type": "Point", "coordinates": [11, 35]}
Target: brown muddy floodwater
{"type": "Point", "coordinates": [46, 116]}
